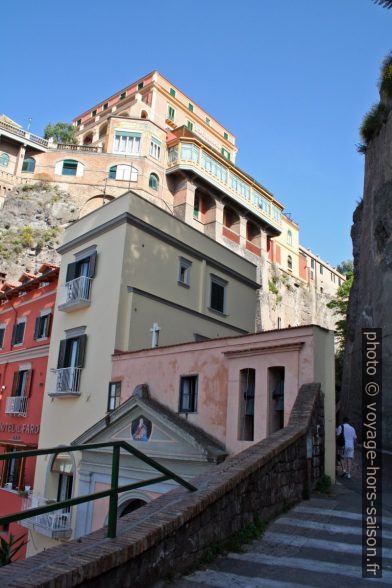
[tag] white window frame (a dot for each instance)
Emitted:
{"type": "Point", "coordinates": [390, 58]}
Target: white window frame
{"type": "Point", "coordinates": [184, 264]}
{"type": "Point", "coordinates": [127, 144]}
{"type": "Point", "coordinates": [155, 148]}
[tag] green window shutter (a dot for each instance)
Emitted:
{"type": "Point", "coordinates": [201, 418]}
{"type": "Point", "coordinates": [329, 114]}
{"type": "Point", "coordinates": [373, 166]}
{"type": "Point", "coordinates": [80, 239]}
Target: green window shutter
{"type": "Point", "coordinates": [172, 92]}
{"type": "Point", "coordinates": [15, 383]}
{"type": "Point", "coordinates": [61, 357]}
{"type": "Point", "coordinates": [140, 85]}
{"type": "Point", "coordinates": [190, 107]}
{"type": "Point", "coordinates": [71, 272]}
{"type": "Point", "coordinates": [127, 134]}
{"type": "Point", "coordinates": [36, 327]}
{"type": "Point", "coordinates": [92, 264]}
{"type": "Point", "coordinates": [81, 351]}
{"type": "Point", "coordinates": [225, 136]}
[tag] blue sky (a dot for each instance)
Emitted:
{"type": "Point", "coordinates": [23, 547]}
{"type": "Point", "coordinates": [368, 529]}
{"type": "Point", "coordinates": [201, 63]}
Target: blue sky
{"type": "Point", "coordinates": [291, 79]}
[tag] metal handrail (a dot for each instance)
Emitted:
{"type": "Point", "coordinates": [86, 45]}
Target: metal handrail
{"type": "Point", "coordinates": [112, 492]}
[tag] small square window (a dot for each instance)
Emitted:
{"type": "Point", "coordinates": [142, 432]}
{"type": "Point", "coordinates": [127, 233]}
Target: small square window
{"type": "Point", "coordinates": [184, 271]}
{"type": "Point", "coordinates": [226, 136]}
{"type": "Point", "coordinates": [94, 113]}
{"type": "Point", "coordinates": [122, 95]}
{"type": "Point", "coordinates": [105, 106]}
{"type": "Point", "coordinates": [114, 396]}
{"type": "Point", "coordinates": [190, 107]}
{"type": "Point", "coordinates": [140, 85]}
{"type": "Point", "coordinates": [188, 394]}
{"type": "Point", "coordinates": [79, 121]}
{"type": "Point", "coordinates": [189, 125]}
{"type": "Point", "coordinates": [208, 120]}
{"type": "Point", "coordinates": [218, 294]}
{"type": "Point", "coordinates": [225, 153]}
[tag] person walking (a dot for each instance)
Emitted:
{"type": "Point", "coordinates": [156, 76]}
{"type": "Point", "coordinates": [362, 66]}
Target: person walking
{"type": "Point", "coordinates": [350, 437]}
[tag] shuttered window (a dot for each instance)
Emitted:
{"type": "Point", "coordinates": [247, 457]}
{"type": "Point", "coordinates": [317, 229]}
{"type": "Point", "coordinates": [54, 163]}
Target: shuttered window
{"type": "Point", "coordinates": [72, 352]}
{"type": "Point", "coordinates": [83, 267]}
{"type": "Point", "coordinates": [42, 326]}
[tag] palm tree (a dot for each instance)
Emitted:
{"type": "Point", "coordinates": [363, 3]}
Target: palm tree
{"type": "Point", "coordinates": [384, 3]}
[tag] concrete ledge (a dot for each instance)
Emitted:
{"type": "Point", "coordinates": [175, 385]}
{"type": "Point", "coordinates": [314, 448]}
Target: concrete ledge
{"type": "Point", "coordinates": [172, 532]}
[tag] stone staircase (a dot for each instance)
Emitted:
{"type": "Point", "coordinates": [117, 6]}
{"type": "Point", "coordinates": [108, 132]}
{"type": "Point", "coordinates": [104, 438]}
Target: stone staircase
{"type": "Point", "coordinates": [317, 543]}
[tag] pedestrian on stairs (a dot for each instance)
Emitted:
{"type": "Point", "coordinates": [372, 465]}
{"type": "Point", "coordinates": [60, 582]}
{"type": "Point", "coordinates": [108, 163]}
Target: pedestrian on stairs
{"type": "Point", "coordinates": [350, 437]}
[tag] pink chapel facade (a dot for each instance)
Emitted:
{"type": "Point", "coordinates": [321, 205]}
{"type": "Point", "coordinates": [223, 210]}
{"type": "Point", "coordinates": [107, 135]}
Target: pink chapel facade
{"type": "Point", "coordinates": [237, 389]}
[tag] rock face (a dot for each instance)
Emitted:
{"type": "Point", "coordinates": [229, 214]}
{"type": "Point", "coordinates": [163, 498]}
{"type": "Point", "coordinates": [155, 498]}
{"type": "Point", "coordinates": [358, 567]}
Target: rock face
{"type": "Point", "coordinates": [32, 222]}
{"type": "Point", "coordinates": [370, 302]}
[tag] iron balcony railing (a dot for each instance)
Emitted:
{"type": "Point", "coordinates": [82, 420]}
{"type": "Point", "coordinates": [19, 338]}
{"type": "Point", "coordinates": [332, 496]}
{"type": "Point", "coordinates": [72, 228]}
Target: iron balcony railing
{"type": "Point", "coordinates": [52, 524]}
{"type": "Point", "coordinates": [75, 292]}
{"type": "Point", "coordinates": [67, 379]}
{"type": "Point", "coordinates": [17, 405]}
{"type": "Point", "coordinates": [112, 492]}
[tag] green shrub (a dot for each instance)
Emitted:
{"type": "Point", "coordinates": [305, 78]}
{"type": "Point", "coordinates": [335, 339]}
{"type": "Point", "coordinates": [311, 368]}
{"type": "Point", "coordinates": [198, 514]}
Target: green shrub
{"type": "Point", "coordinates": [385, 82]}
{"type": "Point", "coordinates": [9, 548]}
{"type": "Point", "coordinates": [324, 485]}
{"type": "Point", "coordinates": [373, 121]}
{"type": "Point", "coordinates": [27, 237]}
{"type": "Point", "coordinates": [272, 287]}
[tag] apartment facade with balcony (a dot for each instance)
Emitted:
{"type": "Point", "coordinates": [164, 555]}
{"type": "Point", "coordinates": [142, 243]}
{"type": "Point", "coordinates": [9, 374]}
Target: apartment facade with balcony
{"type": "Point", "coordinates": [132, 276]}
{"type": "Point", "coordinates": [26, 315]}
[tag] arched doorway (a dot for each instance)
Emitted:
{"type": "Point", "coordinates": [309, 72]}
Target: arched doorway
{"type": "Point", "coordinates": [130, 506]}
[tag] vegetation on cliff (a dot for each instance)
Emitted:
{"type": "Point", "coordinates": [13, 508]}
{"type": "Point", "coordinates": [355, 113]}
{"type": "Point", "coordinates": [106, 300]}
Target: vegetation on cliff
{"type": "Point", "coordinates": [378, 114]}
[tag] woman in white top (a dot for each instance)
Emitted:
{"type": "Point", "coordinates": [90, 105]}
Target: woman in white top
{"type": "Point", "coordinates": [350, 437]}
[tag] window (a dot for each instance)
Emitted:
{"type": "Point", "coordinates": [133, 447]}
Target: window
{"type": "Point", "coordinates": [172, 92]}
{"type": "Point", "coordinates": [18, 332]}
{"type": "Point", "coordinates": [114, 395]}
{"type": "Point", "coordinates": [289, 262]}
{"type": "Point", "coordinates": [190, 107]}
{"type": "Point", "coordinates": [79, 122]}
{"type": "Point", "coordinates": [105, 106]}
{"type": "Point", "coordinates": [208, 120]}
{"type": "Point", "coordinates": [69, 168]}
{"type": "Point", "coordinates": [94, 113]}
{"type": "Point", "coordinates": [321, 269]}
{"type": "Point", "coordinates": [173, 154]}
{"type": "Point", "coordinates": [2, 333]}
{"type": "Point", "coordinates": [247, 404]}
{"type": "Point", "coordinates": [240, 187]}
{"type": "Point", "coordinates": [197, 206]}
{"type": "Point", "coordinates": [85, 267]}
{"type": "Point", "coordinates": [4, 159]}
{"type": "Point", "coordinates": [279, 322]}
{"type": "Point", "coordinates": [127, 142]}
{"type": "Point", "coordinates": [140, 85]}
{"type": "Point", "coordinates": [189, 152]}
{"type": "Point", "coordinates": [171, 113]}
{"type": "Point", "coordinates": [155, 148]}
{"type": "Point", "coordinates": [21, 383]}
{"type": "Point", "coordinates": [289, 238]}
{"type": "Point", "coordinates": [218, 294]}
{"type": "Point", "coordinates": [226, 136]}
{"type": "Point", "coordinates": [28, 165]}
{"type": "Point", "coordinates": [261, 202]}
{"type": "Point", "coordinates": [122, 95]}
{"type": "Point", "coordinates": [213, 167]}
{"type": "Point", "coordinates": [225, 153]}
{"type": "Point", "coordinates": [70, 362]}
{"type": "Point", "coordinates": [188, 394]}
{"type": "Point", "coordinates": [189, 125]}
{"type": "Point", "coordinates": [184, 271]}
{"type": "Point", "coordinates": [123, 172]}
{"type": "Point", "coordinates": [12, 472]}
{"type": "Point", "coordinates": [153, 182]}
{"type": "Point", "coordinates": [42, 326]}
{"type": "Point", "coordinates": [312, 263]}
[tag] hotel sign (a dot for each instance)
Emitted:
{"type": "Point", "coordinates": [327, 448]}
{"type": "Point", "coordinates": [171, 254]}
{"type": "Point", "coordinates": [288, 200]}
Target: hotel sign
{"type": "Point", "coordinates": [27, 428]}
{"type": "Point", "coordinates": [206, 136]}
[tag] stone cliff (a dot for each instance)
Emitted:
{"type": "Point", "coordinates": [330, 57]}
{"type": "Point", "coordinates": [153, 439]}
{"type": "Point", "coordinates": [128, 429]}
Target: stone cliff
{"type": "Point", "coordinates": [371, 295]}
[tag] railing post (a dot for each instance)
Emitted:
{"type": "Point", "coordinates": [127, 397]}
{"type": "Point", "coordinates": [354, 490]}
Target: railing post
{"type": "Point", "coordinates": [112, 521]}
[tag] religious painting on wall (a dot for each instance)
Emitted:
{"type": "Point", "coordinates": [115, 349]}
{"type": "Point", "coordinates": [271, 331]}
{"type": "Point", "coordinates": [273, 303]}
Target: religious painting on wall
{"type": "Point", "coordinates": [141, 429]}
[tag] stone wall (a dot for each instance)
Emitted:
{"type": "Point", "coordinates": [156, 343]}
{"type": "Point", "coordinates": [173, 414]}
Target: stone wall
{"type": "Point", "coordinates": [173, 532]}
{"type": "Point", "coordinates": [371, 294]}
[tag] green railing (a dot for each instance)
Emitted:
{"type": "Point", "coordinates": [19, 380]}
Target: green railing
{"type": "Point", "coordinates": [113, 492]}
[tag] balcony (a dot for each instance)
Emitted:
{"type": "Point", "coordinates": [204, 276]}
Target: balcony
{"type": "Point", "coordinates": [67, 381]}
{"type": "Point", "coordinates": [56, 524]}
{"type": "Point", "coordinates": [75, 294]}
{"type": "Point", "coordinates": [17, 405]}
{"type": "Point", "coordinates": [187, 155]}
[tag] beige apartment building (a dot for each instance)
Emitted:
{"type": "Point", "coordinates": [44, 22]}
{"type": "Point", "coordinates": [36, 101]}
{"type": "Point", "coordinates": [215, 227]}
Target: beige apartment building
{"type": "Point", "coordinates": [151, 138]}
{"type": "Point", "coordinates": [132, 277]}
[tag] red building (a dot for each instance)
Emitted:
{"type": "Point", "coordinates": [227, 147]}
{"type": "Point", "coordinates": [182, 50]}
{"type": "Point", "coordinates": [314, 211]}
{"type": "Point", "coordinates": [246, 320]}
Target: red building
{"type": "Point", "coordinates": [26, 312]}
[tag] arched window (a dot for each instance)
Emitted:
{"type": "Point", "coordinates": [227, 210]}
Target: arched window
{"type": "Point", "coordinates": [28, 165]}
{"type": "Point", "coordinates": [154, 182]}
{"type": "Point", "coordinates": [289, 262]}
{"type": "Point", "coordinates": [4, 159]}
{"type": "Point", "coordinates": [88, 139]}
{"type": "Point", "coordinates": [289, 238]}
{"type": "Point", "coordinates": [69, 167]}
{"type": "Point", "coordinates": [123, 172]}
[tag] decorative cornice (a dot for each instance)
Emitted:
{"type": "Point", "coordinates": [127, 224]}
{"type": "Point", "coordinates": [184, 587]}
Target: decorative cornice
{"type": "Point", "coordinates": [24, 354]}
